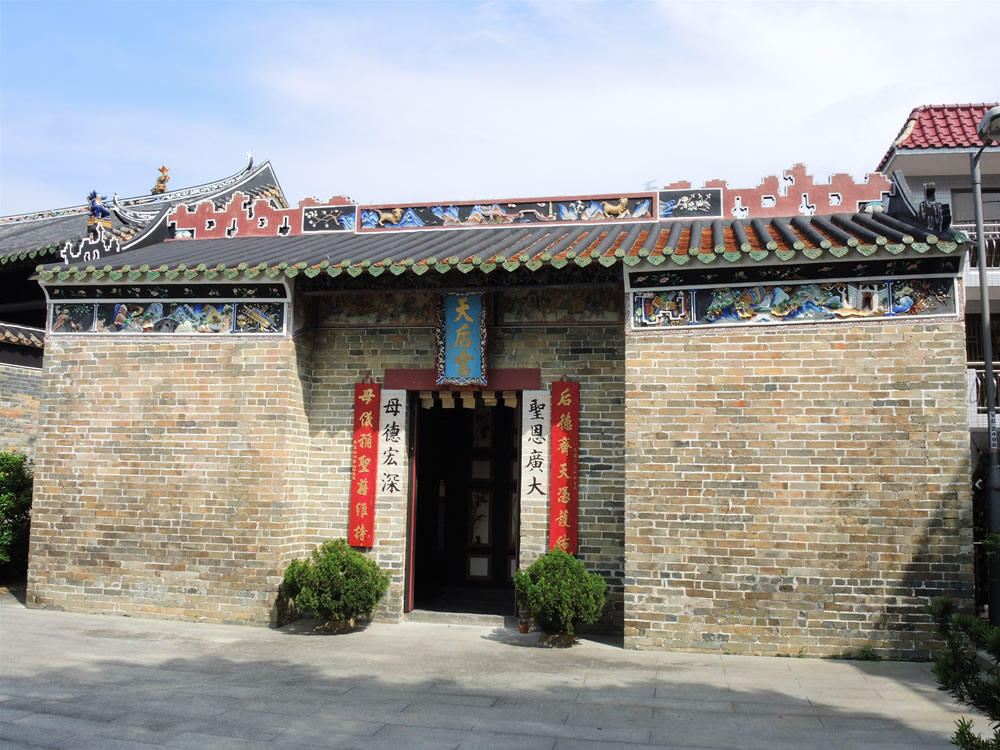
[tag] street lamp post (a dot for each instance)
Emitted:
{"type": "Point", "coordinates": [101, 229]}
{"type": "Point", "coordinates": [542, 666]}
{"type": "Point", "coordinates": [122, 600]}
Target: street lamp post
{"type": "Point", "coordinates": [988, 131]}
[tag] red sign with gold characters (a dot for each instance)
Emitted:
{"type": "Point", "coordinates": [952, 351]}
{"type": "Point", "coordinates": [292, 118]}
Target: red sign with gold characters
{"type": "Point", "coordinates": [364, 465]}
{"type": "Point", "coordinates": [564, 469]}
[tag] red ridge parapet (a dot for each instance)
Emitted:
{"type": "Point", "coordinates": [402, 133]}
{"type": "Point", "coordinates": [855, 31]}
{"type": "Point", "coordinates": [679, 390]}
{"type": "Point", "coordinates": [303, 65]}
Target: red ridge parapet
{"type": "Point", "coordinates": [246, 216]}
{"type": "Point", "coordinates": [797, 192]}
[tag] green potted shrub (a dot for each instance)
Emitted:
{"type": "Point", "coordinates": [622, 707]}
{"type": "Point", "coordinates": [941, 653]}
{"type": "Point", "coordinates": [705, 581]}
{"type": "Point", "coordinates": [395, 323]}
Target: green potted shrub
{"type": "Point", "coordinates": [558, 592]}
{"type": "Point", "coordinates": [336, 584]}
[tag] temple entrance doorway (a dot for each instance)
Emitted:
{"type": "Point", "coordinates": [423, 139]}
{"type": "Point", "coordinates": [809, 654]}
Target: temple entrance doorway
{"type": "Point", "coordinates": [464, 526]}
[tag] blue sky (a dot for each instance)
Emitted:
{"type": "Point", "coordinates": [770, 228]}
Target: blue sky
{"type": "Point", "coordinates": [418, 101]}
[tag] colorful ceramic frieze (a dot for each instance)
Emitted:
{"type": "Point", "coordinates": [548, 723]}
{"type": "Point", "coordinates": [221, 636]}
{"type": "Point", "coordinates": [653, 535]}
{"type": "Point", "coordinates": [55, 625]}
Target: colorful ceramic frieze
{"type": "Point", "coordinates": [232, 317]}
{"type": "Point", "coordinates": [328, 219]}
{"type": "Point", "coordinates": [160, 317]}
{"type": "Point", "coordinates": [566, 210]}
{"type": "Point", "coordinates": [169, 291]}
{"type": "Point", "coordinates": [72, 318]}
{"type": "Point", "coordinates": [874, 269]}
{"type": "Point", "coordinates": [259, 317]}
{"type": "Point", "coordinates": [705, 203]}
{"type": "Point", "coordinates": [828, 301]}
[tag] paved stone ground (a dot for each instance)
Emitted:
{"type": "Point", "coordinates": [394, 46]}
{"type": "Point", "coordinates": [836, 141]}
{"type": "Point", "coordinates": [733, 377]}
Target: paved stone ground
{"type": "Point", "coordinates": [91, 681]}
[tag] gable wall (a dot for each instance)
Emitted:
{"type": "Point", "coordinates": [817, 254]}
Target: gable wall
{"type": "Point", "coordinates": [163, 476]}
{"type": "Point", "coordinates": [795, 490]}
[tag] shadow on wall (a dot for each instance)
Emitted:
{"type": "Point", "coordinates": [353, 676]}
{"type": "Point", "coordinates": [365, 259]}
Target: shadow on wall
{"type": "Point", "coordinates": [935, 568]}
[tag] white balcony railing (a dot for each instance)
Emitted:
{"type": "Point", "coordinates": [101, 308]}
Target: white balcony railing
{"type": "Point", "coordinates": [991, 233]}
{"type": "Point", "coordinates": [977, 392]}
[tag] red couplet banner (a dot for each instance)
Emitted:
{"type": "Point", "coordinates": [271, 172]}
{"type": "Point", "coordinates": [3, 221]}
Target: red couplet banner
{"type": "Point", "coordinates": [364, 469]}
{"type": "Point", "coordinates": [564, 468]}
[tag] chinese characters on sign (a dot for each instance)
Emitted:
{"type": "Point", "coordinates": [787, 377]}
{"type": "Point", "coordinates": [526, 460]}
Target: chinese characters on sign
{"type": "Point", "coordinates": [535, 452]}
{"type": "Point", "coordinates": [392, 444]}
{"type": "Point", "coordinates": [564, 475]}
{"type": "Point", "coordinates": [461, 340]}
{"type": "Point", "coordinates": [364, 465]}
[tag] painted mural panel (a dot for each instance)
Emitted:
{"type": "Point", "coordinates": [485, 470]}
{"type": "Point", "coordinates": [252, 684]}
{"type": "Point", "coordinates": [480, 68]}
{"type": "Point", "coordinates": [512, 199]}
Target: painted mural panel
{"type": "Point", "coordinates": [379, 308]}
{"type": "Point", "coordinates": [259, 317]}
{"type": "Point", "coordinates": [169, 291]}
{"type": "Point", "coordinates": [881, 268]}
{"type": "Point", "coordinates": [793, 303]}
{"type": "Point", "coordinates": [328, 219]}
{"type": "Point", "coordinates": [164, 317]}
{"type": "Point", "coordinates": [704, 203]}
{"type": "Point", "coordinates": [578, 209]}
{"type": "Point", "coordinates": [147, 317]}
{"type": "Point", "coordinates": [72, 318]}
{"type": "Point", "coordinates": [560, 307]}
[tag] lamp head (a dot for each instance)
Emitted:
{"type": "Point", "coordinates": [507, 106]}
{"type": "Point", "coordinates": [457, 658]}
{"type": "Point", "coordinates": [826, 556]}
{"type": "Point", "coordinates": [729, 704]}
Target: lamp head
{"type": "Point", "coordinates": [989, 128]}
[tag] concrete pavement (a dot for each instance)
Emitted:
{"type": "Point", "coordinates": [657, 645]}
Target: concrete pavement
{"type": "Point", "coordinates": [93, 681]}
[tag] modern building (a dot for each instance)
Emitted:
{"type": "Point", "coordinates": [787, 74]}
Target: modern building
{"type": "Point", "coordinates": [933, 148]}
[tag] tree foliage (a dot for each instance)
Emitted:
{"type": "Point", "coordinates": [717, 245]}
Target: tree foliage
{"type": "Point", "coordinates": [15, 513]}
{"type": "Point", "coordinates": [959, 671]}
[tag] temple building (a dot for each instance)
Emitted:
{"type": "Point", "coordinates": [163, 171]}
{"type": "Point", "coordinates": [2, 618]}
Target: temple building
{"type": "Point", "coordinates": [746, 409]}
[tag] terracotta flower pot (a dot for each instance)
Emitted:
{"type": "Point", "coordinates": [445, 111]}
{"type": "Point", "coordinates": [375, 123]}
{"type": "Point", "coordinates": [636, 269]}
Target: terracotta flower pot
{"type": "Point", "coordinates": [524, 626]}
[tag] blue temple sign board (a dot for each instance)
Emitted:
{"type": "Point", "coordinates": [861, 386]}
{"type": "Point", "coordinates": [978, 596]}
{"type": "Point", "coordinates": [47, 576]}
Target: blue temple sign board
{"type": "Point", "coordinates": [461, 340]}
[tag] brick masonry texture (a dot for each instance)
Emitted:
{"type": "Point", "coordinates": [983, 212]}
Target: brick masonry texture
{"type": "Point", "coordinates": [19, 398]}
{"type": "Point", "coordinates": [165, 475]}
{"type": "Point", "coordinates": [178, 478]}
{"type": "Point", "coordinates": [774, 490]}
{"type": "Point", "coordinates": [594, 355]}
{"type": "Point", "coordinates": [794, 491]}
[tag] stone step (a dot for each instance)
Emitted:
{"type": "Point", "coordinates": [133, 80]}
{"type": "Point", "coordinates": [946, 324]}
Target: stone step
{"type": "Point", "coordinates": [460, 618]}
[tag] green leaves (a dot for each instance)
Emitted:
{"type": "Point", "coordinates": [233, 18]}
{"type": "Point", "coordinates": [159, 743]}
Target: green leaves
{"type": "Point", "coordinates": [959, 672]}
{"type": "Point", "coordinates": [558, 591]}
{"type": "Point", "coordinates": [15, 512]}
{"type": "Point", "coordinates": [336, 583]}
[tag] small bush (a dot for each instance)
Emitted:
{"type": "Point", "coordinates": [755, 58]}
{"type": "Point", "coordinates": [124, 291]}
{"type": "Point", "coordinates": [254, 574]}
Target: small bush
{"type": "Point", "coordinates": [15, 514]}
{"type": "Point", "coordinates": [558, 592]}
{"type": "Point", "coordinates": [336, 583]}
{"type": "Point", "coordinates": [959, 671]}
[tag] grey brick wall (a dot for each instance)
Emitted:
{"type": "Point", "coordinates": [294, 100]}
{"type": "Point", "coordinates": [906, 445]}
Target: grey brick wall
{"type": "Point", "coordinates": [20, 388]}
{"type": "Point", "coordinates": [796, 489]}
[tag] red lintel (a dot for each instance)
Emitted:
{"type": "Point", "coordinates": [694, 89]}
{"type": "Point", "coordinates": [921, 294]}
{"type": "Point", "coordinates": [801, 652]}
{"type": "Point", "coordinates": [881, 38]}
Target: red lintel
{"type": "Point", "coordinates": [503, 379]}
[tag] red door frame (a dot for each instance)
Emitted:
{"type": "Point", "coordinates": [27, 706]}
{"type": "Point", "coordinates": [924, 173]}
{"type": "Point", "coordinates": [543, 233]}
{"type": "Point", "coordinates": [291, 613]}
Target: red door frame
{"type": "Point", "coordinates": [412, 380]}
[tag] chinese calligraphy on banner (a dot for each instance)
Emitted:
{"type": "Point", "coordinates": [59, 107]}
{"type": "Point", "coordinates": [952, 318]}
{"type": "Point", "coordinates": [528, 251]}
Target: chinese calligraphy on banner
{"type": "Point", "coordinates": [461, 340]}
{"type": "Point", "coordinates": [535, 450]}
{"type": "Point", "coordinates": [364, 465]}
{"type": "Point", "coordinates": [564, 474]}
{"type": "Point", "coordinates": [392, 444]}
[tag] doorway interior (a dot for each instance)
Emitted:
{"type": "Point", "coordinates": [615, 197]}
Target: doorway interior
{"type": "Point", "coordinates": [465, 525]}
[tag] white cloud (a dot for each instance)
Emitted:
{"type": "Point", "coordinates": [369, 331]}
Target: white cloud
{"type": "Point", "coordinates": [395, 102]}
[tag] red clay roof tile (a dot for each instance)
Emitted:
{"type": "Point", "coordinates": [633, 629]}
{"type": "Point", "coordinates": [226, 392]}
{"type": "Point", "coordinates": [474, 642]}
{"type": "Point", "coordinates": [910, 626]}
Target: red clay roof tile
{"type": "Point", "coordinates": [939, 126]}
